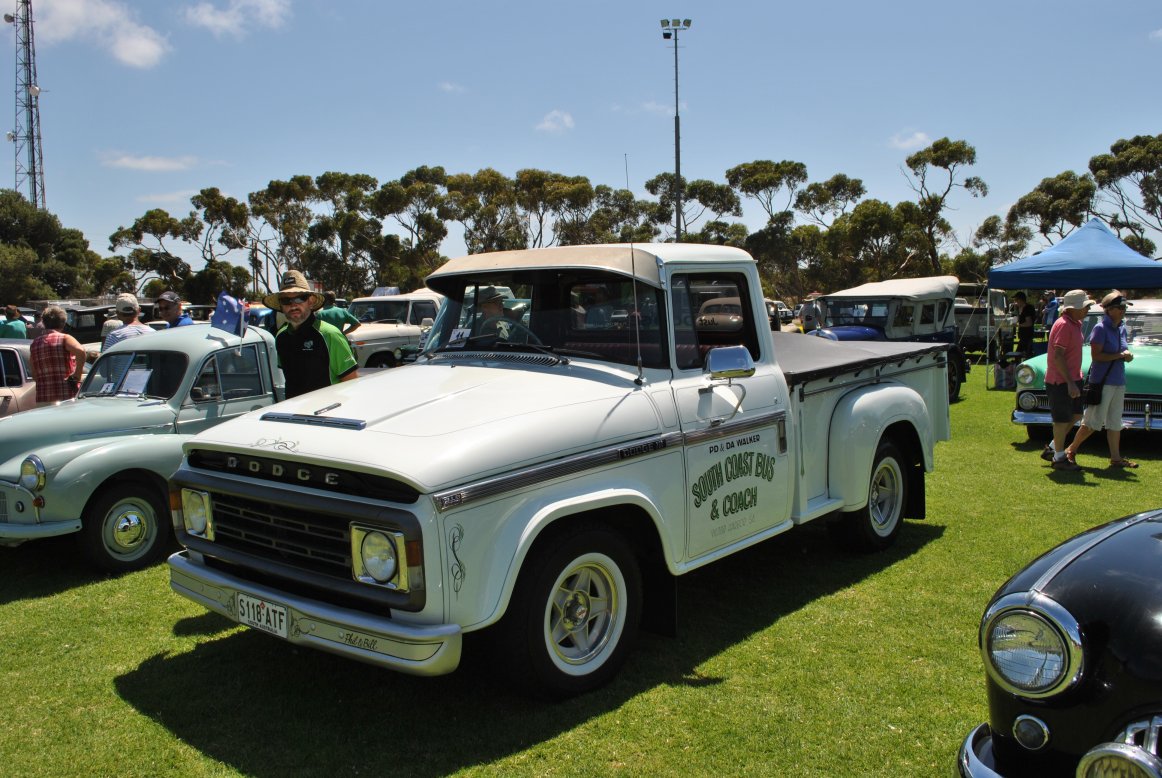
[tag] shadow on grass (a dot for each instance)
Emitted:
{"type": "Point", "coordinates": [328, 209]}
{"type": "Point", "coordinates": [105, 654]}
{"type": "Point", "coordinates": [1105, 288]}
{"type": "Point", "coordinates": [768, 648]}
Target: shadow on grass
{"type": "Point", "coordinates": [265, 707]}
{"type": "Point", "coordinates": [42, 568]}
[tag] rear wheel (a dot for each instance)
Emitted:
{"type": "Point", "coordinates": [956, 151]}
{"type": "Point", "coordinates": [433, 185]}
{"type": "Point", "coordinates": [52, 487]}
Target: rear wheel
{"type": "Point", "coordinates": [574, 614]}
{"type": "Point", "coordinates": [382, 359]}
{"type": "Point", "coordinates": [876, 525]}
{"type": "Point", "coordinates": [954, 381]}
{"type": "Point", "coordinates": [126, 527]}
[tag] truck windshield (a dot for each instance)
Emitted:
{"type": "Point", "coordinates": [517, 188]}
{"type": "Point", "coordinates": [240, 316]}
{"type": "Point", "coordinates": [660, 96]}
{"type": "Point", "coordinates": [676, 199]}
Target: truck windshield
{"type": "Point", "coordinates": [583, 313]}
{"type": "Point", "coordinates": [380, 310]}
{"type": "Point", "coordinates": [869, 313]}
{"type": "Point", "coordinates": [136, 373]}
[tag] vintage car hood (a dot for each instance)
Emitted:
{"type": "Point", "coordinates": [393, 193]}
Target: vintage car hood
{"type": "Point", "coordinates": [86, 419]}
{"type": "Point", "coordinates": [1110, 580]}
{"type": "Point", "coordinates": [1143, 375]}
{"type": "Point", "coordinates": [437, 425]}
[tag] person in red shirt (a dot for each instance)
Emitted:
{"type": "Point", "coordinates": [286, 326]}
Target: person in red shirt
{"type": "Point", "coordinates": [58, 360]}
{"type": "Point", "coordinates": [1063, 376]}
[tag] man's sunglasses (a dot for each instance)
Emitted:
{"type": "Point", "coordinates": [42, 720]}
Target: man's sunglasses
{"type": "Point", "coordinates": [302, 298]}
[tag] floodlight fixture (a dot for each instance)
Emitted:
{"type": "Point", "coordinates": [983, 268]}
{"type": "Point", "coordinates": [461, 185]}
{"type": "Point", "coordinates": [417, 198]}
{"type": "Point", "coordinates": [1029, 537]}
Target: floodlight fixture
{"type": "Point", "coordinates": [670, 30]}
{"type": "Point", "coordinates": [686, 23]}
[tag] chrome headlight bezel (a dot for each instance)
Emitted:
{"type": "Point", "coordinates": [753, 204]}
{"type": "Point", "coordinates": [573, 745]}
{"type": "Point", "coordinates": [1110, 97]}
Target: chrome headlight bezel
{"type": "Point", "coordinates": [1062, 627]}
{"type": "Point", "coordinates": [33, 475]}
{"type": "Point", "coordinates": [1026, 375]}
{"type": "Point", "coordinates": [197, 513]}
{"type": "Point", "coordinates": [364, 542]}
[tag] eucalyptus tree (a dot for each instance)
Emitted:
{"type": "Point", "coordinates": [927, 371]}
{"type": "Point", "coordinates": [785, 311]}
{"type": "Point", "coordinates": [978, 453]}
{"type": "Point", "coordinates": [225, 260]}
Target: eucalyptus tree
{"type": "Point", "coordinates": [413, 202]}
{"type": "Point", "coordinates": [1057, 205]}
{"type": "Point", "coordinates": [280, 218]}
{"type": "Point", "coordinates": [485, 204]}
{"type": "Point", "coordinates": [823, 202]}
{"type": "Point", "coordinates": [345, 238]}
{"type": "Point", "coordinates": [935, 175]}
{"type": "Point", "coordinates": [1130, 177]}
{"type": "Point", "coordinates": [149, 239]}
{"type": "Point", "coordinates": [766, 181]}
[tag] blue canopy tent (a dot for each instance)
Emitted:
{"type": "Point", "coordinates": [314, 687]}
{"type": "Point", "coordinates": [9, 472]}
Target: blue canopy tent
{"type": "Point", "coordinates": [1091, 257]}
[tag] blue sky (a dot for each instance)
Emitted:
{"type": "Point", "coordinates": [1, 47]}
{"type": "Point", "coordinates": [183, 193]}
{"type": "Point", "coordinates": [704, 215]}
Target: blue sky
{"type": "Point", "coordinates": [146, 102]}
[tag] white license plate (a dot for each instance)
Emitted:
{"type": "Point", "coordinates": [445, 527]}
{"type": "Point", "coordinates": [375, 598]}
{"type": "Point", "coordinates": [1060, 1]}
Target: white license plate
{"type": "Point", "coordinates": [261, 614]}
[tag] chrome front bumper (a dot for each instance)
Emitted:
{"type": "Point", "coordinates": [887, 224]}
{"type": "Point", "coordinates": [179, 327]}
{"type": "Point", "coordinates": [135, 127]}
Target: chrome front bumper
{"type": "Point", "coordinates": [416, 650]}
{"type": "Point", "coordinates": [17, 503]}
{"type": "Point", "coordinates": [976, 759]}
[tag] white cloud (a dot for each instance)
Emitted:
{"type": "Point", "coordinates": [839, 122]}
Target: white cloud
{"type": "Point", "coordinates": [238, 16]}
{"type": "Point", "coordinates": [109, 24]}
{"type": "Point", "coordinates": [451, 87]}
{"type": "Point", "coordinates": [165, 198]}
{"type": "Point", "coordinates": [147, 164]}
{"type": "Point", "coordinates": [556, 121]}
{"type": "Point", "coordinates": [913, 140]}
{"type": "Point", "coordinates": [1156, 35]}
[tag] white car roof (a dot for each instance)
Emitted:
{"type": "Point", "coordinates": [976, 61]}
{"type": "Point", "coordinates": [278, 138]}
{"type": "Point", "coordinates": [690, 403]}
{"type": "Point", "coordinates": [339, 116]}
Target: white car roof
{"type": "Point", "coordinates": [932, 288]}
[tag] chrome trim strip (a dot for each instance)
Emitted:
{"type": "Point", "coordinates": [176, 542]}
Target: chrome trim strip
{"type": "Point", "coordinates": [314, 421]}
{"type": "Point", "coordinates": [490, 487]}
{"type": "Point", "coordinates": [519, 479]}
{"type": "Point", "coordinates": [1039, 585]}
{"type": "Point", "coordinates": [734, 428]}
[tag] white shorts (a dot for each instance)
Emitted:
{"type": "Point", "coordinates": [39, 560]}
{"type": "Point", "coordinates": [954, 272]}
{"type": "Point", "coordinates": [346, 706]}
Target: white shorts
{"type": "Point", "coordinates": [1108, 413]}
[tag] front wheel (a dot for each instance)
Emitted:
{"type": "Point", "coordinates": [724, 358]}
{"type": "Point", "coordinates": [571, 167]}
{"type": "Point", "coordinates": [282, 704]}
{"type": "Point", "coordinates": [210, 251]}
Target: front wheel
{"type": "Point", "coordinates": [954, 381]}
{"type": "Point", "coordinates": [126, 527]}
{"type": "Point", "coordinates": [382, 359]}
{"type": "Point", "coordinates": [574, 614]}
{"type": "Point", "coordinates": [875, 526]}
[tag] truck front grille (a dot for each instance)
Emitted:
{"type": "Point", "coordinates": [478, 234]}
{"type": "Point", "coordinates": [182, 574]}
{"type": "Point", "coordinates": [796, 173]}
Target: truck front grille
{"type": "Point", "coordinates": [285, 534]}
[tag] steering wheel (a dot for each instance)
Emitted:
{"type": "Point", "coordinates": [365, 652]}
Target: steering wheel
{"type": "Point", "coordinates": [512, 324]}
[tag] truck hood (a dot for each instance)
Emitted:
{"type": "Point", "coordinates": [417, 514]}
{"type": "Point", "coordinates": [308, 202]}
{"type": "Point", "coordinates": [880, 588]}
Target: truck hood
{"type": "Point", "coordinates": [439, 425]}
{"type": "Point", "coordinates": [78, 420]}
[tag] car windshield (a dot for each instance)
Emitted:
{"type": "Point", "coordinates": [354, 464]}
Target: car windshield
{"type": "Point", "coordinates": [1144, 327]}
{"type": "Point", "coordinates": [560, 311]}
{"type": "Point", "coordinates": [155, 374]}
{"type": "Point", "coordinates": [380, 310]}
{"type": "Point", "coordinates": [873, 313]}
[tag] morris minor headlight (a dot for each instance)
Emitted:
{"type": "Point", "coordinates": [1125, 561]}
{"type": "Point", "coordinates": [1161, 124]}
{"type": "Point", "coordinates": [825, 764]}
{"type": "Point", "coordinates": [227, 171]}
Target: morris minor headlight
{"type": "Point", "coordinates": [32, 473]}
{"type": "Point", "coordinates": [1031, 650]}
{"type": "Point", "coordinates": [1026, 375]}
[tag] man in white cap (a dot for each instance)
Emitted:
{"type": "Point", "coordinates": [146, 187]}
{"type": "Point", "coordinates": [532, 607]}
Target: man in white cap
{"type": "Point", "coordinates": [127, 311]}
{"type": "Point", "coordinates": [1109, 351]}
{"type": "Point", "coordinates": [312, 353]}
{"type": "Point", "coordinates": [1063, 376]}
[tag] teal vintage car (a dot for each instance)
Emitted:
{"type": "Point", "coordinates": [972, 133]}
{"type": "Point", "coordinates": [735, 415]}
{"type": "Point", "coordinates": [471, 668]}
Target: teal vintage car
{"type": "Point", "coordinates": [98, 465]}
{"type": "Point", "coordinates": [1143, 374]}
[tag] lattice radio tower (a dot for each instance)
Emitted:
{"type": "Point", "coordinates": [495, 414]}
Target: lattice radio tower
{"type": "Point", "coordinates": [26, 136]}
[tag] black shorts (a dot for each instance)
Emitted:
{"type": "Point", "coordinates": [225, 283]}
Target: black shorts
{"type": "Point", "coordinates": [1062, 407]}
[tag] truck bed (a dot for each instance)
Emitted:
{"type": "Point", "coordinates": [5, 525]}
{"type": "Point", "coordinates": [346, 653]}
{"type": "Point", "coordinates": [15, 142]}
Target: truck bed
{"type": "Point", "coordinates": [805, 358]}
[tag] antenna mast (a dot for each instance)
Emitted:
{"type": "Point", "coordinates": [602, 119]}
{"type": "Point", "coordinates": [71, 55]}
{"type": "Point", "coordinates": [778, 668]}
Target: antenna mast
{"type": "Point", "coordinates": [26, 136]}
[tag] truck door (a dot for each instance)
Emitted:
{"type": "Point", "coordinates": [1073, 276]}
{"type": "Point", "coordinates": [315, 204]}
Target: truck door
{"type": "Point", "coordinates": [738, 471]}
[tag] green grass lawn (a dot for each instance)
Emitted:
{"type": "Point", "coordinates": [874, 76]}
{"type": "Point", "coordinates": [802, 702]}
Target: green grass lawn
{"type": "Point", "coordinates": [793, 659]}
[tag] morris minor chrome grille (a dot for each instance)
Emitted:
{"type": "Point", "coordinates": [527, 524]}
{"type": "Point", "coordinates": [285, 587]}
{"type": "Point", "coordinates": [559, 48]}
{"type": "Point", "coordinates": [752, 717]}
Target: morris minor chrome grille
{"type": "Point", "coordinates": [1144, 734]}
{"type": "Point", "coordinates": [1131, 406]}
{"type": "Point", "coordinates": [284, 534]}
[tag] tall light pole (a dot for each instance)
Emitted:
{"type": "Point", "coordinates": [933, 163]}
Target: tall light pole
{"type": "Point", "coordinates": [670, 29]}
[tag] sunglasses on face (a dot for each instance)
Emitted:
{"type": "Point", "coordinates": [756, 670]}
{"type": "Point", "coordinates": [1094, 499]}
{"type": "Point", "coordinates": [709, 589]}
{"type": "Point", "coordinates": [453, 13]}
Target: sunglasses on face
{"type": "Point", "coordinates": [297, 300]}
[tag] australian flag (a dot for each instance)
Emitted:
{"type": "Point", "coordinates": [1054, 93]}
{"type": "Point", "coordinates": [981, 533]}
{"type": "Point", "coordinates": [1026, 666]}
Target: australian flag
{"type": "Point", "coordinates": [229, 315]}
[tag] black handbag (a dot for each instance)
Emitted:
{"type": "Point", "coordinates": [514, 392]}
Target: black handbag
{"type": "Point", "coordinates": [1091, 392]}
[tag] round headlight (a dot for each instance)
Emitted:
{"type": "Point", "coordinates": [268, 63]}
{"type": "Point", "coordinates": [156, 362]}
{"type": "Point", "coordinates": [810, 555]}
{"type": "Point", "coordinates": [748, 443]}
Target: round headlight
{"type": "Point", "coordinates": [32, 473]}
{"type": "Point", "coordinates": [378, 553]}
{"type": "Point", "coordinates": [1026, 375]}
{"type": "Point", "coordinates": [1026, 651]}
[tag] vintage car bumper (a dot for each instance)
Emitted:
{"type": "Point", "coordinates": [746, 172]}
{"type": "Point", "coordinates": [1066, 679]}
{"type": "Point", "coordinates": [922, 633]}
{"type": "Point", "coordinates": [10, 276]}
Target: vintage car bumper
{"type": "Point", "coordinates": [977, 760]}
{"type": "Point", "coordinates": [417, 650]}
{"type": "Point", "coordinates": [20, 520]}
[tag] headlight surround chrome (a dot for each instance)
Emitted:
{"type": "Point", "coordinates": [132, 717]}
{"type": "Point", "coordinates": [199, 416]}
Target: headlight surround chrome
{"type": "Point", "coordinates": [197, 515]}
{"type": "Point", "coordinates": [32, 473]}
{"type": "Point", "coordinates": [1026, 375]}
{"type": "Point", "coordinates": [379, 557]}
{"type": "Point", "coordinates": [1027, 401]}
{"type": "Point", "coordinates": [1031, 646]}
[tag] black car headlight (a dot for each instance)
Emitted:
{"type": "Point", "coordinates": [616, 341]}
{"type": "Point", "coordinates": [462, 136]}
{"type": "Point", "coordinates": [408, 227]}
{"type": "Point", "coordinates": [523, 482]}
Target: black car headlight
{"type": "Point", "coordinates": [1031, 645]}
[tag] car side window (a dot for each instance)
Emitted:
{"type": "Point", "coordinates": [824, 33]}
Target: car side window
{"type": "Point", "coordinates": [229, 374]}
{"type": "Point", "coordinates": [709, 311]}
{"type": "Point", "coordinates": [11, 368]}
{"type": "Point", "coordinates": [207, 387]}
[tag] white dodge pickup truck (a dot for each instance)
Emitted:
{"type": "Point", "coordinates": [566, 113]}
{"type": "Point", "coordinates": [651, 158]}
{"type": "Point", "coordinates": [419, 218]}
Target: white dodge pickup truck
{"type": "Point", "coordinates": [548, 471]}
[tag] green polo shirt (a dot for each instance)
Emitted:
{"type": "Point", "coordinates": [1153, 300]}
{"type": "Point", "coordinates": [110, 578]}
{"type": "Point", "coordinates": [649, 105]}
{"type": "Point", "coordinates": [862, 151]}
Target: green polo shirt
{"type": "Point", "coordinates": [312, 356]}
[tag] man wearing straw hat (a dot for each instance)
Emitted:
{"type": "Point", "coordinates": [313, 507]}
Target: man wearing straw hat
{"type": "Point", "coordinates": [311, 353]}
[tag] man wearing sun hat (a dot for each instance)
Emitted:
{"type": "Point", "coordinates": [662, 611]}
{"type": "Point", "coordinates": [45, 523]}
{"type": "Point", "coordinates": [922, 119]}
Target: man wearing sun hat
{"type": "Point", "coordinates": [1063, 376]}
{"type": "Point", "coordinates": [127, 311]}
{"type": "Point", "coordinates": [1109, 351]}
{"type": "Point", "coordinates": [311, 353]}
